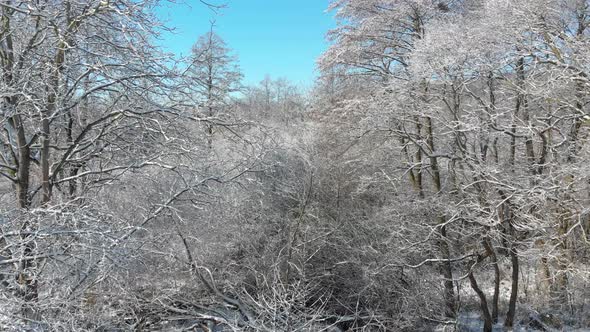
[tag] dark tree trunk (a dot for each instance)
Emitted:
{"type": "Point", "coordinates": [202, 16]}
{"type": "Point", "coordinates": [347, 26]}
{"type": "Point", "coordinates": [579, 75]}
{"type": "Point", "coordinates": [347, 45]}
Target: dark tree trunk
{"type": "Point", "coordinates": [495, 300]}
{"type": "Point", "coordinates": [488, 324]}
{"type": "Point", "coordinates": [514, 289]}
{"type": "Point", "coordinates": [447, 274]}
{"type": "Point", "coordinates": [447, 268]}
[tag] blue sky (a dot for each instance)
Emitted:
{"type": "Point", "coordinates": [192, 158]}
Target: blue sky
{"type": "Point", "coordinates": [282, 38]}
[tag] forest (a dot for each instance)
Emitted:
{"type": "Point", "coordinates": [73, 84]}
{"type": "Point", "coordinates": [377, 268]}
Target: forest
{"type": "Point", "coordinates": [435, 177]}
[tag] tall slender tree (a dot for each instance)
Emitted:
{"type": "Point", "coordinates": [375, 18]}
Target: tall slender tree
{"type": "Point", "coordinates": [215, 74]}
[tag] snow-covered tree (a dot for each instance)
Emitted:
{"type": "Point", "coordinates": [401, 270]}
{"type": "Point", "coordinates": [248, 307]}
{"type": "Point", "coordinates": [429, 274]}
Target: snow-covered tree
{"type": "Point", "coordinates": [214, 74]}
{"type": "Point", "coordinates": [485, 102]}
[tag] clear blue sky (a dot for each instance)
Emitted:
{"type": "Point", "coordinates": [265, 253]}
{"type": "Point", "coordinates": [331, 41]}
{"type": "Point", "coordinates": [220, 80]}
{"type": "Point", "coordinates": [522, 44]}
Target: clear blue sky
{"type": "Point", "coordinates": [282, 38]}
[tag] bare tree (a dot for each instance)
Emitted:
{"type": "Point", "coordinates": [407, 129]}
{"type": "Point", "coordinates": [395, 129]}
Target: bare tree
{"type": "Point", "coordinates": [215, 74]}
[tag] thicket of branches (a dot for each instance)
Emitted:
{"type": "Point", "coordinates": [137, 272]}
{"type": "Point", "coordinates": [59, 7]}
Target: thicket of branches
{"type": "Point", "coordinates": [438, 168]}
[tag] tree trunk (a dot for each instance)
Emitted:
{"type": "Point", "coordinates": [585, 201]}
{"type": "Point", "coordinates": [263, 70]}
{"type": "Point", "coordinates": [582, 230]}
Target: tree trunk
{"type": "Point", "coordinates": [418, 156]}
{"type": "Point", "coordinates": [447, 274]}
{"type": "Point", "coordinates": [487, 318]}
{"type": "Point", "coordinates": [24, 165]}
{"type": "Point", "coordinates": [495, 300]}
{"type": "Point", "coordinates": [50, 110]}
{"type": "Point", "coordinates": [447, 268]}
{"type": "Point", "coordinates": [514, 289]}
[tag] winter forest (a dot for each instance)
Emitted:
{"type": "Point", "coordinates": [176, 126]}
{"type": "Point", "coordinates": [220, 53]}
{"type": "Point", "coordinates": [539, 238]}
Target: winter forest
{"type": "Point", "coordinates": [434, 177]}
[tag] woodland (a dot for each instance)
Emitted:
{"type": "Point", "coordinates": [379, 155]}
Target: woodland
{"type": "Point", "coordinates": [434, 178]}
